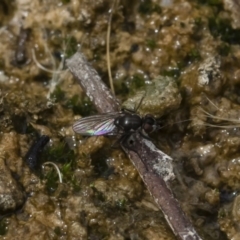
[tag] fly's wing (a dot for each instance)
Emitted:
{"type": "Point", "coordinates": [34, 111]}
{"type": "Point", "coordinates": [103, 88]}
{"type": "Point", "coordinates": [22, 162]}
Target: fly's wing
{"type": "Point", "coordinates": [96, 125]}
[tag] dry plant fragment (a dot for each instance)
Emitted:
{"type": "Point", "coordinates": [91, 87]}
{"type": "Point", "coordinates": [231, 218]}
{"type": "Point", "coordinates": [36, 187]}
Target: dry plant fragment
{"type": "Point", "coordinates": [115, 3]}
{"type": "Point", "coordinates": [142, 153]}
{"type": "Point", "coordinates": [57, 169]}
{"type": "Point", "coordinates": [91, 83]}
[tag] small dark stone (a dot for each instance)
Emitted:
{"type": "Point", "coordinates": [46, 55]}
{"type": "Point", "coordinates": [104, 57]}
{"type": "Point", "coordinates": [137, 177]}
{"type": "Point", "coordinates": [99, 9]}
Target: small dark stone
{"type": "Point", "coordinates": [32, 156]}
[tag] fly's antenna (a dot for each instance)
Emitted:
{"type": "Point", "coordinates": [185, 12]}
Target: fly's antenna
{"type": "Point", "coordinates": [140, 103]}
{"type": "Point", "coordinates": [170, 124]}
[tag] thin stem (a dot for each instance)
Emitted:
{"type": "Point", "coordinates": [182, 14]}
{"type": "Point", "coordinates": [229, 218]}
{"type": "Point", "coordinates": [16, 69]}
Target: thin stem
{"type": "Point", "coordinates": [56, 167]}
{"type": "Point", "coordinates": [108, 47]}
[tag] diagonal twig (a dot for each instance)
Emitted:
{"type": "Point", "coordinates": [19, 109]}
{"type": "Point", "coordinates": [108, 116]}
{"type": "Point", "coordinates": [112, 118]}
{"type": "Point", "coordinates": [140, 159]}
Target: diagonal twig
{"type": "Point", "coordinates": [154, 166]}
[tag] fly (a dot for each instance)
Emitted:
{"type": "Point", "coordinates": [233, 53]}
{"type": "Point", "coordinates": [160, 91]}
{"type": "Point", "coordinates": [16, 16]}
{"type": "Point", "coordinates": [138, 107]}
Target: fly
{"type": "Point", "coordinates": [124, 122]}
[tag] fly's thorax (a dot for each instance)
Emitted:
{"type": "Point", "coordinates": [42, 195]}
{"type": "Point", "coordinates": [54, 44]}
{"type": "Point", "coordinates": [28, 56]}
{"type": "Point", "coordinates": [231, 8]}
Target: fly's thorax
{"type": "Point", "coordinates": [128, 122]}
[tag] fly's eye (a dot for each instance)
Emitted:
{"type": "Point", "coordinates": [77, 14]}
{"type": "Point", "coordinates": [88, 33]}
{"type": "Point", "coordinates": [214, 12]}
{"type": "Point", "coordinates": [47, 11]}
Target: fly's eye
{"type": "Point", "coordinates": [149, 119]}
{"type": "Point", "coordinates": [149, 123]}
{"type": "Point", "coordinates": [147, 128]}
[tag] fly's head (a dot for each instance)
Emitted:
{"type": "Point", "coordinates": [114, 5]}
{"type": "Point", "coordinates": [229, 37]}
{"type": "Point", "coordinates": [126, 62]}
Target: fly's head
{"type": "Point", "coordinates": [149, 124]}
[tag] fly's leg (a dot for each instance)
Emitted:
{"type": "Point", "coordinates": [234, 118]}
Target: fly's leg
{"type": "Point", "coordinates": [144, 135]}
{"type": "Point", "coordinates": [140, 103]}
{"type": "Point", "coordinates": [128, 110]}
{"type": "Point", "coordinates": [120, 138]}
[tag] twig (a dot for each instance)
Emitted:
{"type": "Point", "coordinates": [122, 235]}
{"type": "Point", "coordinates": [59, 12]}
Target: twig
{"type": "Point", "coordinates": [155, 169]}
{"type": "Point", "coordinates": [148, 160]}
{"type": "Point", "coordinates": [92, 84]}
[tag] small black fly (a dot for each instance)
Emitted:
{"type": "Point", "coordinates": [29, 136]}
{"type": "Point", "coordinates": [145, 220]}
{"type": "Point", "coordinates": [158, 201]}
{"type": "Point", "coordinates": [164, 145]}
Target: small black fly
{"type": "Point", "coordinates": [115, 123]}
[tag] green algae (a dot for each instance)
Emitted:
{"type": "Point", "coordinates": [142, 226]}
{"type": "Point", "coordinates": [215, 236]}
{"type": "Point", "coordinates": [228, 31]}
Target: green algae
{"type": "Point", "coordinates": [52, 181]}
{"type": "Point", "coordinates": [151, 43]}
{"type": "Point", "coordinates": [222, 28]}
{"type": "Point", "coordinates": [58, 153]}
{"type": "Point", "coordinates": [224, 49]}
{"type": "Point", "coordinates": [174, 72]}
{"type": "Point", "coordinates": [71, 45]}
{"type": "Point", "coordinates": [80, 106]}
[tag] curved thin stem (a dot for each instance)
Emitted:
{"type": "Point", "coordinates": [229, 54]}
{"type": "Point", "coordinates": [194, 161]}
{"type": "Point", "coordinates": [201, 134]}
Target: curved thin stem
{"type": "Point", "coordinates": [57, 169]}
{"type": "Point", "coordinates": [108, 47]}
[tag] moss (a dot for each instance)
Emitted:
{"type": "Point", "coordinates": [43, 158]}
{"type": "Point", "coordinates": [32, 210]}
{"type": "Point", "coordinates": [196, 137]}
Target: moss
{"type": "Point", "coordinates": [3, 227]}
{"type": "Point", "coordinates": [121, 204]}
{"type": "Point", "coordinates": [59, 153]}
{"type": "Point", "coordinates": [93, 29]}
{"type": "Point", "coordinates": [99, 163]}
{"type": "Point", "coordinates": [222, 213]}
{"type": "Point", "coordinates": [52, 181]}
{"type": "Point", "coordinates": [99, 196]}
{"type": "Point", "coordinates": [31, 130]}
{"type": "Point", "coordinates": [58, 94]}
{"type": "Point", "coordinates": [130, 84]}
{"type": "Point", "coordinates": [79, 105]}
{"type": "Point", "coordinates": [182, 24]}
{"type": "Point", "coordinates": [58, 231]}
{"type": "Point", "coordinates": [208, 2]}
{"type": "Point", "coordinates": [217, 3]}
{"type": "Point", "coordinates": [73, 103]}
{"type": "Point", "coordinates": [83, 107]}
{"type": "Point", "coordinates": [109, 206]}
{"type": "Point", "coordinates": [71, 44]}
{"type": "Point", "coordinates": [97, 57]}
{"type": "Point", "coordinates": [137, 81]}
{"type": "Point", "coordinates": [97, 232]}
{"type": "Point", "coordinates": [192, 56]}
{"type": "Point", "coordinates": [222, 28]}
{"type": "Point", "coordinates": [197, 33]}
{"type": "Point", "coordinates": [198, 22]}
{"type": "Point", "coordinates": [171, 72]}
{"type": "Point", "coordinates": [147, 7]}
{"type": "Point", "coordinates": [151, 43]}
{"type": "Point", "coordinates": [7, 8]}
{"type": "Point", "coordinates": [76, 184]}
{"type": "Point", "coordinates": [122, 89]}
{"type": "Point", "coordinates": [65, 1]}
{"type": "Point", "coordinates": [67, 171]}
{"type": "Point", "coordinates": [224, 49]}
{"type": "Point", "coordinates": [19, 123]}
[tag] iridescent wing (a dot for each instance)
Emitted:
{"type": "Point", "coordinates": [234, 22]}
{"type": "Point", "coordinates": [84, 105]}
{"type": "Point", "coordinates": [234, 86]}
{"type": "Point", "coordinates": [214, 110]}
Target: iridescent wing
{"type": "Point", "coordinates": [96, 125]}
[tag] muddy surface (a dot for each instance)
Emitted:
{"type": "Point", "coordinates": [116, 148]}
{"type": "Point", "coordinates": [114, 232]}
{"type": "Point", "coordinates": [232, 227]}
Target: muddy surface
{"type": "Point", "coordinates": [182, 56]}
